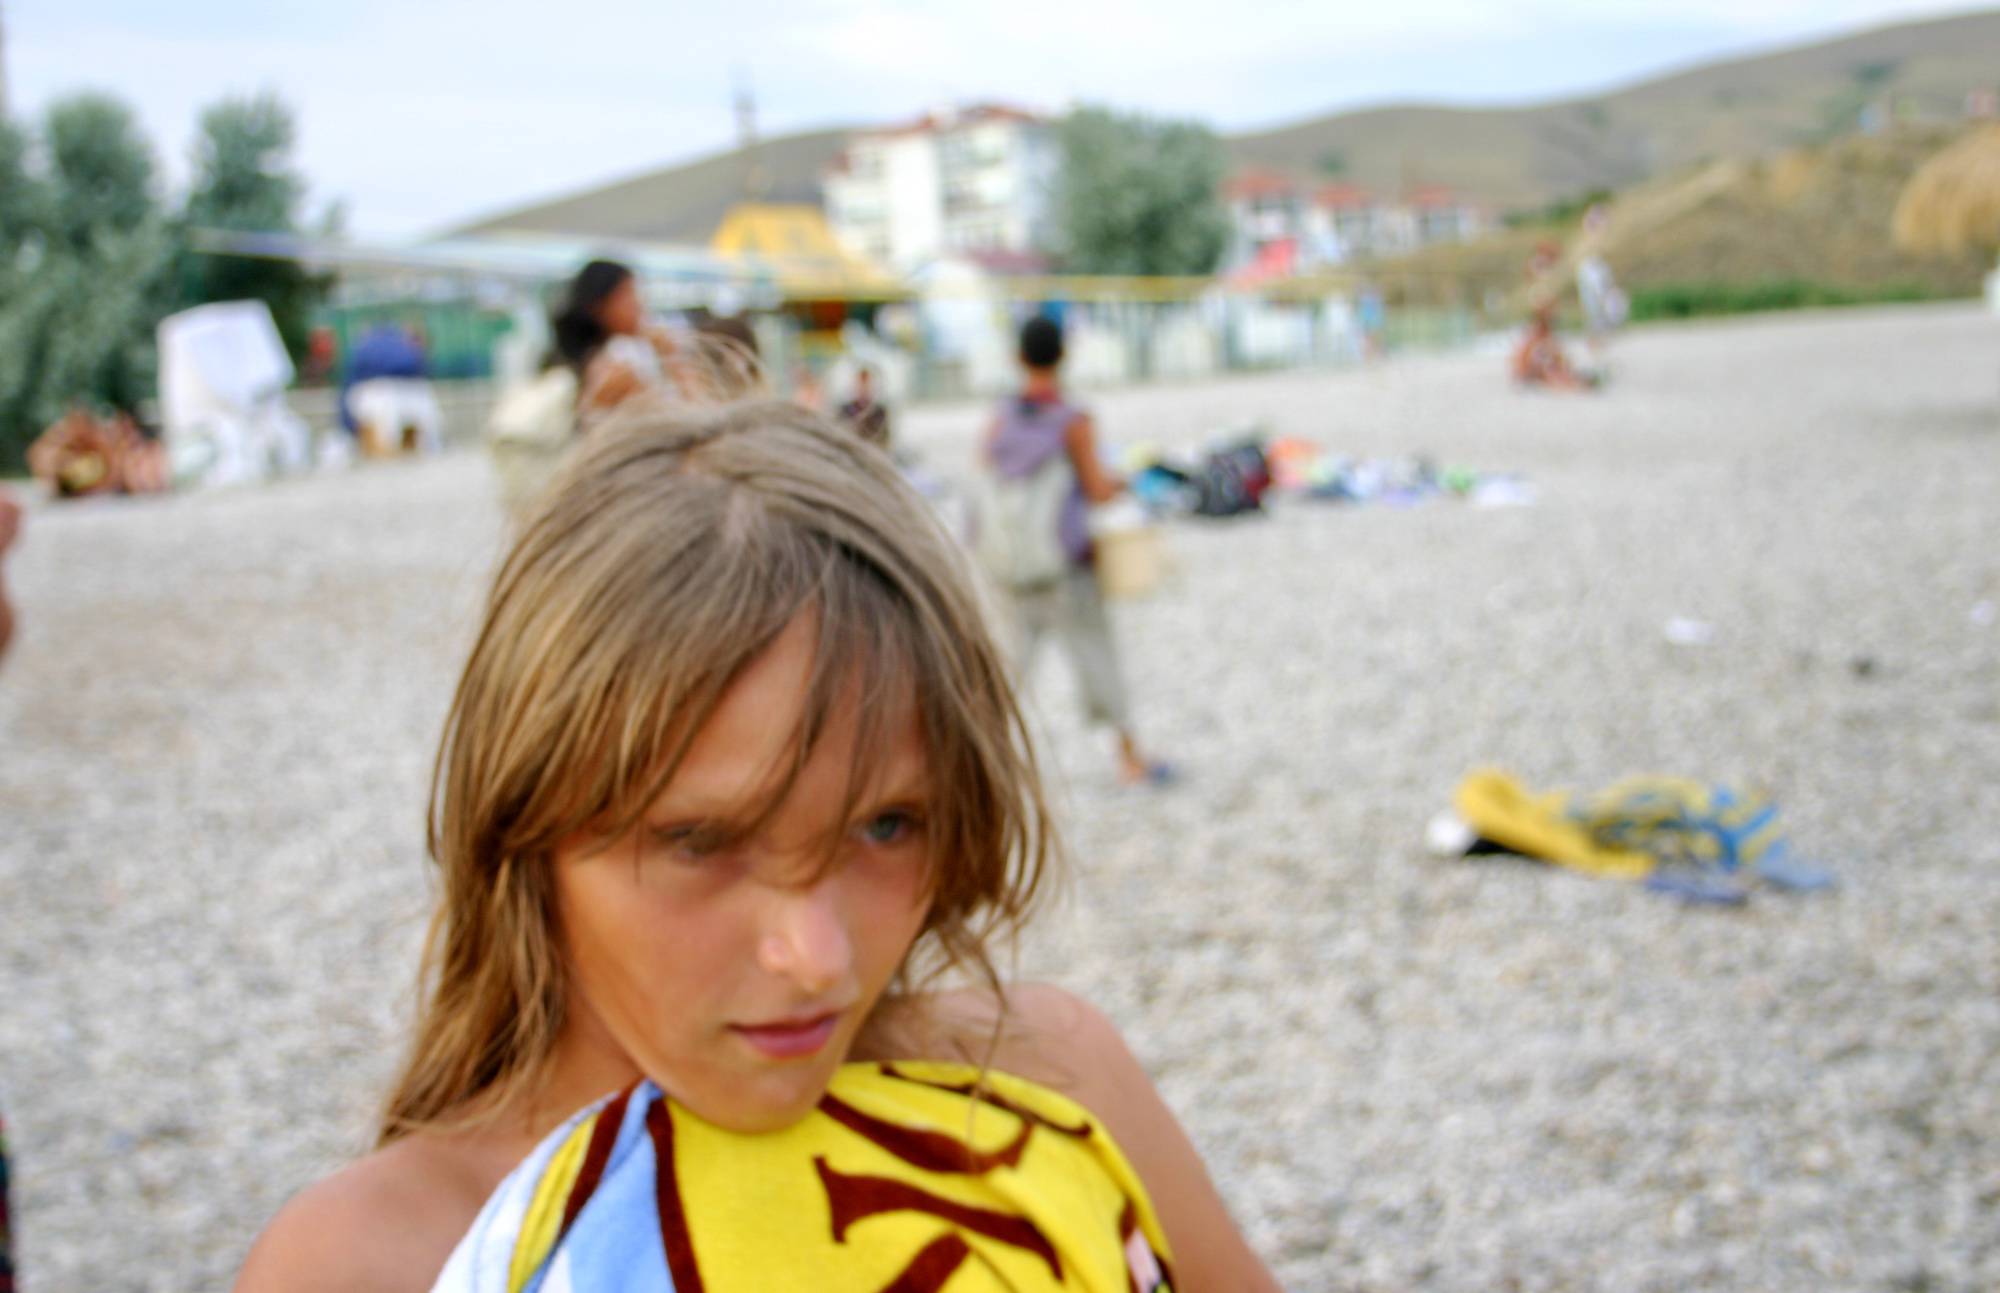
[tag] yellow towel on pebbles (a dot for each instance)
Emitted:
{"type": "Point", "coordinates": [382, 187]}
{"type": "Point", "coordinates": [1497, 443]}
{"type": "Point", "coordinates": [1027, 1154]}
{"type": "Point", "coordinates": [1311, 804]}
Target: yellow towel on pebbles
{"type": "Point", "coordinates": [1501, 809]}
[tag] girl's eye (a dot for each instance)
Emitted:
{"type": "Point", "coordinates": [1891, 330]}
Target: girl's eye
{"type": "Point", "coordinates": [889, 828]}
{"type": "Point", "coordinates": [690, 843]}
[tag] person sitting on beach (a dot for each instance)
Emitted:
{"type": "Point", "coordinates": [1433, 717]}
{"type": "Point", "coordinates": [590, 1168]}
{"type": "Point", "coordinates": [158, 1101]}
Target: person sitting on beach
{"type": "Point", "coordinates": [1038, 435]}
{"type": "Point", "coordinates": [734, 773]}
{"type": "Point", "coordinates": [1539, 359]}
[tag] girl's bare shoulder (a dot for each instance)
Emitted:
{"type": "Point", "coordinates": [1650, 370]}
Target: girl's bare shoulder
{"type": "Point", "coordinates": [387, 1221]}
{"type": "Point", "coordinates": [1036, 1031]}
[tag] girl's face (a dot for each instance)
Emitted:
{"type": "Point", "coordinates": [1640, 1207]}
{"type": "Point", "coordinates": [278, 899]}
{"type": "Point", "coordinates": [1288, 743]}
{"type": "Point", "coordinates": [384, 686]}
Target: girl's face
{"type": "Point", "coordinates": [735, 970]}
{"type": "Point", "coordinates": [622, 311]}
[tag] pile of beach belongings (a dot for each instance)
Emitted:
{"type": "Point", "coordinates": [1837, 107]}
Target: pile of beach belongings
{"type": "Point", "coordinates": [1228, 479]}
{"type": "Point", "coordinates": [1687, 839]}
{"type": "Point", "coordinates": [1242, 467]}
{"type": "Point", "coordinates": [1302, 467]}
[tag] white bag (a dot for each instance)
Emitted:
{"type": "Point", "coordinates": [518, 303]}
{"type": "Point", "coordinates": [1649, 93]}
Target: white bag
{"type": "Point", "coordinates": [541, 412]}
{"type": "Point", "coordinates": [530, 429]}
{"type": "Point", "coordinates": [1019, 541]}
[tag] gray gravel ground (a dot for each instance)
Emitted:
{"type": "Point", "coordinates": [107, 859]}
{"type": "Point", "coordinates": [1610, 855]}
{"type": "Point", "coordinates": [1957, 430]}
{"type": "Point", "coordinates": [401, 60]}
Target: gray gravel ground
{"type": "Point", "coordinates": [1405, 1073]}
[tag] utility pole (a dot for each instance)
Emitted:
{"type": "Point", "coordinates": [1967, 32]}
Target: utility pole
{"type": "Point", "coordinates": [756, 178]}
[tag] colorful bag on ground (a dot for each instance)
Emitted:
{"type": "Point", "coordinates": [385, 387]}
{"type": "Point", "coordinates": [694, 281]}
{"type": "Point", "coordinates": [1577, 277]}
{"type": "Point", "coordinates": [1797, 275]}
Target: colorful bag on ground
{"type": "Point", "coordinates": [1698, 842]}
{"type": "Point", "coordinates": [1232, 481]}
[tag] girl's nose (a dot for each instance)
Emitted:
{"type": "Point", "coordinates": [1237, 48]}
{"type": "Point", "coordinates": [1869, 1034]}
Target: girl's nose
{"type": "Point", "coordinates": [807, 941]}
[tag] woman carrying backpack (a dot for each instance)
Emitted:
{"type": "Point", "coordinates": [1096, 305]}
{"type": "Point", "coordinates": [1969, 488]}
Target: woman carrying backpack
{"type": "Point", "coordinates": [1044, 473]}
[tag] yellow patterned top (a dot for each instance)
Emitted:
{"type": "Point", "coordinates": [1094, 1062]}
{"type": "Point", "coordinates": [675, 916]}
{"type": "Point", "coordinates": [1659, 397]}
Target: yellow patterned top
{"type": "Point", "coordinates": [911, 1176]}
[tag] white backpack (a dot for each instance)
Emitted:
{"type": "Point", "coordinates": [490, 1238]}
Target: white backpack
{"type": "Point", "coordinates": [529, 431]}
{"type": "Point", "coordinates": [540, 411]}
{"type": "Point", "coordinates": [1019, 537]}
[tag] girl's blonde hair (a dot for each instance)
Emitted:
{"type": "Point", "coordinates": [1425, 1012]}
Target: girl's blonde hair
{"type": "Point", "coordinates": [668, 555]}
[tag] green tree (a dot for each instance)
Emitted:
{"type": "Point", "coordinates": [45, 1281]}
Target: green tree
{"type": "Point", "coordinates": [244, 181]}
{"type": "Point", "coordinates": [89, 263]}
{"type": "Point", "coordinates": [101, 171]}
{"type": "Point", "coordinates": [83, 251]}
{"type": "Point", "coordinates": [21, 200]}
{"type": "Point", "coordinates": [23, 210]}
{"type": "Point", "coordinates": [1139, 195]}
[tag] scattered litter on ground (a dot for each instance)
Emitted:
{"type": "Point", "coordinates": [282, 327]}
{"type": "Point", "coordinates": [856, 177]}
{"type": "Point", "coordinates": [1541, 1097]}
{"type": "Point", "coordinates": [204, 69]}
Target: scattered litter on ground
{"type": "Point", "coordinates": [1682, 631]}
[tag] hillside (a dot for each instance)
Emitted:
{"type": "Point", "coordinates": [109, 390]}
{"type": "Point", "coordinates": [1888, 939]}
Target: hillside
{"type": "Point", "coordinates": [679, 203]}
{"type": "Point", "coordinates": [1513, 158]}
{"type": "Point", "coordinates": [1818, 215]}
{"type": "Point", "coordinates": [1524, 157]}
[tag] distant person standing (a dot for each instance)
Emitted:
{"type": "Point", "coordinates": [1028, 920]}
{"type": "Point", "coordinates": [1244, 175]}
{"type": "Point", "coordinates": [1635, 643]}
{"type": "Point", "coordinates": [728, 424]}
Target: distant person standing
{"type": "Point", "coordinates": [603, 335]}
{"type": "Point", "coordinates": [1604, 306]}
{"type": "Point", "coordinates": [1041, 453]}
{"type": "Point", "coordinates": [864, 413]}
{"type": "Point", "coordinates": [1374, 322]}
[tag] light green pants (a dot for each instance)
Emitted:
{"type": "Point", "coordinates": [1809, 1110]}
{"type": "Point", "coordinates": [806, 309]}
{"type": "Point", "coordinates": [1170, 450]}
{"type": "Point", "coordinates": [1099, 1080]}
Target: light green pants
{"type": "Point", "coordinates": [1073, 610]}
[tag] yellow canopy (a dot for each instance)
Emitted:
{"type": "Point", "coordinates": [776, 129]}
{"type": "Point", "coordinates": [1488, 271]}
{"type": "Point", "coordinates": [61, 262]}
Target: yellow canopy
{"type": "Point", "coordinates": [800, 248]}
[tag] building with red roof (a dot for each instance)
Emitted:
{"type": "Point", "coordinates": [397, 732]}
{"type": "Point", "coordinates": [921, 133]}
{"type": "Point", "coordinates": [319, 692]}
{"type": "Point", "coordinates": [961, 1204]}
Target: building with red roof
{"type": "Point", "coordinates": [1277, 218]}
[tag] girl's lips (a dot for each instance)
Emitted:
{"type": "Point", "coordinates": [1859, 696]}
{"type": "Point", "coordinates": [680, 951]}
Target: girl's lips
{"type": "Point", "coordinates": [791, 1040]}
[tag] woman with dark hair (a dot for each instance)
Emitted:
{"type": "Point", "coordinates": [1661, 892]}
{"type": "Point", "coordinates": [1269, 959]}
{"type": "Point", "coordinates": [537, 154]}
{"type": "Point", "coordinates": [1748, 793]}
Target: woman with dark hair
{"type": "Point", "coordinates": [603, 335]}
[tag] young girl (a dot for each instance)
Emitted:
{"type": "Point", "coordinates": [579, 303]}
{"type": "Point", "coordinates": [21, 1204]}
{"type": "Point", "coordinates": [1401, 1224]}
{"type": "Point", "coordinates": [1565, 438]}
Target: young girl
{"type": "Point", "coordinates": [602, 333]}
{"type": "Point", "coordinates": [733, 772]}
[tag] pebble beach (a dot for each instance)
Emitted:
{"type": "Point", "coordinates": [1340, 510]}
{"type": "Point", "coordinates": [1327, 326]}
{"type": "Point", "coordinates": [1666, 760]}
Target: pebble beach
{"type": "Point", "coordinates": [1405, 1073]}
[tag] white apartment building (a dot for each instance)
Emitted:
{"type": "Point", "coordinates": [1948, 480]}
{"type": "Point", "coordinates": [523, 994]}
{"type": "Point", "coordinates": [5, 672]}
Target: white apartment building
{"type": "Point", "coordinates": [971, 181]}
{"type": "Point", "coordinates": [1276, 217]}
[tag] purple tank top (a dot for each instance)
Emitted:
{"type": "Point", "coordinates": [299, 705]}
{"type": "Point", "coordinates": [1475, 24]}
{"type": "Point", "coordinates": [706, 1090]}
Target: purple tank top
{"type": "Point", "coordinates": [1030, 433]}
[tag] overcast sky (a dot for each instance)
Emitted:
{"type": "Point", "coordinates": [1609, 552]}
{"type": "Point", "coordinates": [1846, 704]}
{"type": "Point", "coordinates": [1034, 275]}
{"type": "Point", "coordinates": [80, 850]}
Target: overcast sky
{"type": "Point", "coordinates": [420, 113]}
